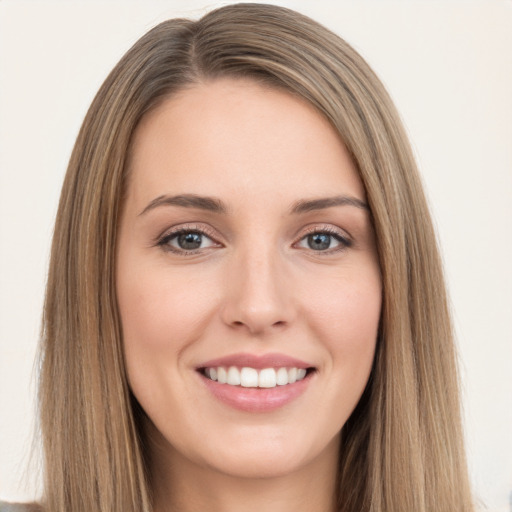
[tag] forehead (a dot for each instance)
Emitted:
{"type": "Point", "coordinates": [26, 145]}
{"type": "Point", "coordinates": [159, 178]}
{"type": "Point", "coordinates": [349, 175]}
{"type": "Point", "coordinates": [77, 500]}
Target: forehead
{"type": "Point", "coordinates": [235, 135]}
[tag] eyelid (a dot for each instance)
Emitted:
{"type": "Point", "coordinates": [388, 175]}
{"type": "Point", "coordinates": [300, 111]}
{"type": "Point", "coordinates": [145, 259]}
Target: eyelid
{"type": "Point", "coordinates": [325, 228]}
{"type": "Point", "coordinates": [169, 233]}
{"type": "Point", "coordinates": [342, 236]}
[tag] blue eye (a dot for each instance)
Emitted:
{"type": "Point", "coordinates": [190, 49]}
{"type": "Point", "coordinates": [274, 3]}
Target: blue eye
{"type": "Point", "coordinates": [319, 241]}
{"type": "Point", "coordinates": [322, 241]}
{"type": "Point", "coordinates": [186, 240]}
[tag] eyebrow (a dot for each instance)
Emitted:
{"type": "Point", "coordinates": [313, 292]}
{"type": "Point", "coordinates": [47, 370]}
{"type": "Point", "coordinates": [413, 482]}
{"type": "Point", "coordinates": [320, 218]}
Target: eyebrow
{"type": "Point", "coordinates": [187, 201]}
{"type": "Point", "coordinates": [327, 202]}
{"type": "Point", "coordinates": [214, 205]}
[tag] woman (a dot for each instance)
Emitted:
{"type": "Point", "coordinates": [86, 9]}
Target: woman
{"type": "Point", "coordinates": [242, 198]}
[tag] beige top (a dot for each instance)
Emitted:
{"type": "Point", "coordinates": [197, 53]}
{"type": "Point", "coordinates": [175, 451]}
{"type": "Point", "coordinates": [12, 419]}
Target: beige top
{"type": "Point", "coordinates": [18, 507]}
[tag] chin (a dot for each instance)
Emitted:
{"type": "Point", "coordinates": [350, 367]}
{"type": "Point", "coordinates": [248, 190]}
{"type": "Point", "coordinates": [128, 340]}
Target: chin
{"type": "Point", "coordinates": [260, 465]}
{"type": "Point", "coordinates": [264, 458]}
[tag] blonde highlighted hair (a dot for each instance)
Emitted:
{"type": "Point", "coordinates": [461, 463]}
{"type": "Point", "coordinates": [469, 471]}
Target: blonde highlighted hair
{"type": "Point", "coordinates": [402, 448]}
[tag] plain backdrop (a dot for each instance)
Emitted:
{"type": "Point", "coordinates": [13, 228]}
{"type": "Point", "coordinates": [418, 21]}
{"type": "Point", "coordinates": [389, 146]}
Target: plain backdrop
{"type": "Point", "coordinates": [447, 65]}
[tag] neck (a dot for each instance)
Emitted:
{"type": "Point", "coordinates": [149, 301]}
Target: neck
{"type": "Point", "coordinates": [180, 485]}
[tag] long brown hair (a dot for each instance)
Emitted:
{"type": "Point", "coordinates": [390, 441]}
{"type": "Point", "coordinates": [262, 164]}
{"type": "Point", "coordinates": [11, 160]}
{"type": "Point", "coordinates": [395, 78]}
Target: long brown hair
{"type": "Point", "coordinates": [402, 447]}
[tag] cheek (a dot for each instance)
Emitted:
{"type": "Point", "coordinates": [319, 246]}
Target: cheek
{"type": "Point", "coordinates": [347, 320]}
{"type": "Point", "coordinates": [344, 311]}
{"type": "Point", "coordinates": [162, 312]}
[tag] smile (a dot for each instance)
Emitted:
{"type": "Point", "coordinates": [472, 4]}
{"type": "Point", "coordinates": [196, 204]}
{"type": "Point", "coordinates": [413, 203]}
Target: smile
{"type": "Point", "coordinates": [257, 383]}
{"type": "Point", "coordinates": [248, 377]}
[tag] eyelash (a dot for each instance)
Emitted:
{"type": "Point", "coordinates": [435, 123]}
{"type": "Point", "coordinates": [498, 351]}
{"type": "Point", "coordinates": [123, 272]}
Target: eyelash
{"type": "Point", "coordinates": [344, 241]}
{"type": "Point", "coordinates": [163, 241]}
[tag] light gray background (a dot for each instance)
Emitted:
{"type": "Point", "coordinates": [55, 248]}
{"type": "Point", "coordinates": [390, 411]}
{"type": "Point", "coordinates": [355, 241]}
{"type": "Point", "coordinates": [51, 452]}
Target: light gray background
{"type": "Point", "coordinates": [448, 66]}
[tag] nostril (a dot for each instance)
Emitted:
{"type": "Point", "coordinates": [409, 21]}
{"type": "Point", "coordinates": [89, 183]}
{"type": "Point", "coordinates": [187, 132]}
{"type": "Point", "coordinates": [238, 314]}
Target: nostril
{"type": "Point", "coordinates": [257, 327]}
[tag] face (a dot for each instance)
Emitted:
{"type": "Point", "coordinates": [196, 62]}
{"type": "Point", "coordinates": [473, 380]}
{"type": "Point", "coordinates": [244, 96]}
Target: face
{"type": "Point", "coordinates": [247, 280]}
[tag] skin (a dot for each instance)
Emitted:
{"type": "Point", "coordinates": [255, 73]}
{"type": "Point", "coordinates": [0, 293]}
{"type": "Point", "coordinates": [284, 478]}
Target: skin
{"type": "Point", "coordinates": [255, 285]}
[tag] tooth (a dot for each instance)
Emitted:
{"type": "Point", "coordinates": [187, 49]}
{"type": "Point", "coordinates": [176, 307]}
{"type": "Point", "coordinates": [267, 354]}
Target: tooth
{"type": "Point", "coordinates": [222, 376]}
{"type": "Point", "coordinates": [301, 373]}
{"type": "Point", "coordinates": [249, 378]}
{"type": "Point", "coordinates": [233, 376]}
{"type": "Point", "coordinates": [267, 378]}
{"type": "Point", "coordinates": [292, 375]}
{"type": "Point", "coordinates": [282, 377]}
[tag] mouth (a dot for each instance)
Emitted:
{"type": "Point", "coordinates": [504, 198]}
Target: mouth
{"type": "Point", "coordinates": [257, 383]}
{"type": "Point", "coordinates": [249, 377]}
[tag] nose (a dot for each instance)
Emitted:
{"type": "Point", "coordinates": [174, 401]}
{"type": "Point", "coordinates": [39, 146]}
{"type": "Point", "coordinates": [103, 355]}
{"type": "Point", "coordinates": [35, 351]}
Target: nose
{"type": "Point", "coordinates": [259, 296]}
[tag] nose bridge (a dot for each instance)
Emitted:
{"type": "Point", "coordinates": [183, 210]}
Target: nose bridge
{"type": "Point", "coordinates": [258, 296]}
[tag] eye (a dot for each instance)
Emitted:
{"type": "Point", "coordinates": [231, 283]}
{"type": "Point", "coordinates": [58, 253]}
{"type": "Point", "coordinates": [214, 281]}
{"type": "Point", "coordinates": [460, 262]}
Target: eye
{"type": "Point", "coordinates": [185, 241]}
{"type": "Point", "coordinates": [324, 241]}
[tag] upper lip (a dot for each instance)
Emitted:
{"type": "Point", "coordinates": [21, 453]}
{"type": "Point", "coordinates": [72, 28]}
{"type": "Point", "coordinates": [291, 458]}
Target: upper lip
{"type": "Point", "coordinates": [271, 360]}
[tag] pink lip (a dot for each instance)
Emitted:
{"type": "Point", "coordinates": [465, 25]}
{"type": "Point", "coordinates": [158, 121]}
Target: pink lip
{"type": "Point", "coordinates": [256, 399]}
{"type": "Point", "coordinates": [272, 360]}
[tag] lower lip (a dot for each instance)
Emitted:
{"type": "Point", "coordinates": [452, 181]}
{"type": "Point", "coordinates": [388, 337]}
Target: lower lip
{"type": "Point", "coordinates": [257, 399]}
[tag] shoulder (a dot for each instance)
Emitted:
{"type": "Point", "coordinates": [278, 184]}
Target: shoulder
{"type": "Point", "coordinates": [19, 507]}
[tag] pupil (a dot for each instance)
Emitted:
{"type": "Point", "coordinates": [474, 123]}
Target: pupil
{"type": "Point", "coordinates": [319, 241]}
{"type": "Point", "coordinates": [189, 241]}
